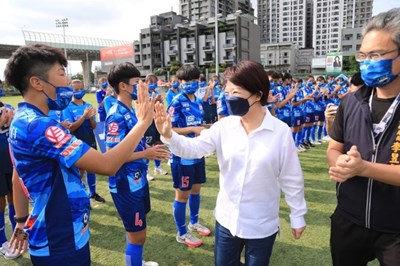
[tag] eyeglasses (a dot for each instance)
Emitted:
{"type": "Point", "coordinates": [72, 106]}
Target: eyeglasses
{"type": "Point", "coordinates": [360, 56]}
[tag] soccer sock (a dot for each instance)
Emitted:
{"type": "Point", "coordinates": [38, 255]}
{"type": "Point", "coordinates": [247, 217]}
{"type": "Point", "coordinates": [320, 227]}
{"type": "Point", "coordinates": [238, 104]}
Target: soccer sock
{"type": "Point", "coordinates": [312, 132]}
{"type": "Point", "coordinates": [325, 132]}
{"type": "Point", "coordinates": [319, 132]}
{"type": "Point", "coordinates": [180, 217]}
{"type": "Point", "coordinates": [157, 163]}
{"type": "Point", "coordinates": [3, 237]}
{"type": "Point", "coordinates": [307, 134]}
{"type": "Point", "coordinates": [294, 136]}
{"type": "Point", "coordinates": [194, 206]}
{"type": "Point", "coordinates": [91, 182]}
{"type": "Point", "coordinates": [133, 255]}
{"type": "Point", "coordinates": [11, 214]}
{"type": "Point", "coordinates": [299, 138]}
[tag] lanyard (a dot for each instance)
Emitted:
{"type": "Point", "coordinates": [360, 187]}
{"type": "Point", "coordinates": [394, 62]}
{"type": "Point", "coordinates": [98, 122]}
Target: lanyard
{"type": "Point", "coordinates": [379, 128]}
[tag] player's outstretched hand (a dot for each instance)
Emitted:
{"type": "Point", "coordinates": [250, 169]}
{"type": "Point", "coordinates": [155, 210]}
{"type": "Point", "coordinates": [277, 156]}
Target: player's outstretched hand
{"type": "Point", "coordinates": [144, 105]}
{"type": "Point", "coordinates": [163, 121]}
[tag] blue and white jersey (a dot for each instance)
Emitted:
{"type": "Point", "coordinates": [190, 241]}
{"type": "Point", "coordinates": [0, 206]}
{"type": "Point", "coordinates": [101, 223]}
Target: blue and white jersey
{"type": "Point", "coordinates": [282, 93]}
{"type": "Point", "coordinates": [170, 95]}
{"type": "Point", "coordinates": [132, 175]}
{"type": "Point", "coordinates": [73, 113]}
{"type": "Point", "coordinates": [109, 101]}
{"type": "Point", "coordinates": [186, 113]}
{"type": "Point", "coordinates": [321, 101]}
{"type": "Point", "coordinates": [5, 159]}
{"type": "Point", "coordinates": [297, 111]}
{"type": "Point", "coordinates": [309, 106]}
{"type": "Point", "coordinates": [44, 157]}
{"type": "Point", "coordinates": [222, 108]}
{"type": "Point", "coordinates": [55, 114]}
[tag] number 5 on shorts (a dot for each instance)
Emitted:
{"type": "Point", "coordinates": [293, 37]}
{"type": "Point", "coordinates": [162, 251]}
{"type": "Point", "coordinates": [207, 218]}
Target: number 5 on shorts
{"type": "Point", "coordinates": [185, 181]}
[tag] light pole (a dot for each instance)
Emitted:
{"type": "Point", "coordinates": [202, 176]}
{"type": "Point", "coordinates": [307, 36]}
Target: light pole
{"type": "Point", "coordinates": [63, 23]}
{"type": "Point", "coordinates": [216, 40]}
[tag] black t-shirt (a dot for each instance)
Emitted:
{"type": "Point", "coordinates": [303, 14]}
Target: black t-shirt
{"type": "Point", "coordinates": [379, 108]}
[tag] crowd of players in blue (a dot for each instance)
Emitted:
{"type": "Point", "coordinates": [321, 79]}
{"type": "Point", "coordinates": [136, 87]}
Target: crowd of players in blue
{"type": "Point", "coordinates": [193, 105]}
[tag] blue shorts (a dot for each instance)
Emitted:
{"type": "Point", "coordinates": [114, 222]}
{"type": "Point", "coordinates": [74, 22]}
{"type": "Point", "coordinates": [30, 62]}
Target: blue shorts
{"type": "Point", "coordinates": [5, 184]}
{"type": "Point", "coordinates": [309, 117]}
{"type": "Point", "coordinates": [286, 119]}
{"type": "Point", "coordinates": [297, 121]}
{"type": "Point", "coordinates": [184, 176]}
{"type": "Point", "coordinates": [79, 257]}
{"type": "Point", "coordinates": [132, 207]}
{"type": "Point", "coordinates": [319, 116]}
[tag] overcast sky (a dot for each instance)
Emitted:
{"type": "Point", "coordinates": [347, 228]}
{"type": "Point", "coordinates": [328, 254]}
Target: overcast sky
{"type": "Point", "coordinates": [119, 19]}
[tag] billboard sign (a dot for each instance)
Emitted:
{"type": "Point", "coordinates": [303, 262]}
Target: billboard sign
{"type": "Point", "coordinates": [334, 62]}
{"type": "Point", "coordinates": [111, 56]}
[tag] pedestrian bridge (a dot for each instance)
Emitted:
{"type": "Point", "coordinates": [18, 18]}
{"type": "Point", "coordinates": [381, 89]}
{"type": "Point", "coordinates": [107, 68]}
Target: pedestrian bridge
{"type": "Point", "coordinates": [84, 49]}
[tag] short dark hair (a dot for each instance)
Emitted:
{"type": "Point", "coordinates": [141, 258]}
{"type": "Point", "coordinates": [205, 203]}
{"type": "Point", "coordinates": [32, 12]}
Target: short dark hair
{"type": "Point", "coordinates": [31, 60]}
{"type": "Point", "coordinates": [251, 76]}
{"type": "Point", "coordinates": [356, 79]}
{"type": "Point", "coordinates": [188, 72]}
{"type": "Point", "coordinates": [122, 72]}
{"type": "Point", "coordinates": [151, 76]}
{"type": "Point", "coordinates": [202, 77]}
{"type": "Point", "coordinates": [287, 76]}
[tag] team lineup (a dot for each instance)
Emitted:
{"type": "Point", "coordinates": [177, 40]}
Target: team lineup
{"type": "Point", "coordinates": [255, 121]}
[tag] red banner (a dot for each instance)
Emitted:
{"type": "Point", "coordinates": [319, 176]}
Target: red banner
{"type": "Point", "coordinates": [115, 52]}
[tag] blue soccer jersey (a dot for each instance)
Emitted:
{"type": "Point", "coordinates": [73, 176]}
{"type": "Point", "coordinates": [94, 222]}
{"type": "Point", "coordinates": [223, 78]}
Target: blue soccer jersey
{"type": "Point", "coordinates": [222, 108]}
{"type": "Point", "coordinates": [186, 113]}
{"type": "Point", "coordinates": [309, 106]}
{"type": "Point", "coordinates": [132, 175]}
{"type": "Point", "coordinates": [5, 159]}
{"type": "Point", "coordinates": [44, 156]}
{"type": "Point", "coordinates": [100, 95]}
{"type": "Point", "coordinates": [170, 95]}
{"type": "Point", "coordinates": [109, 101]}
{"type": "Point", "coordinates": [73, 113]}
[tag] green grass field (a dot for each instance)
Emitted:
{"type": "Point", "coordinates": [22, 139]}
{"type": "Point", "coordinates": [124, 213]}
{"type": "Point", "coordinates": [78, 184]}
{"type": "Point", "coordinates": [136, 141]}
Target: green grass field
{"type": "Point", "coordinates": [108, 238]}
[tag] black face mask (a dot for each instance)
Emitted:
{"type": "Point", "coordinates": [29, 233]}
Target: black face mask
{"type": "Point", "coordinates": [237, 105]}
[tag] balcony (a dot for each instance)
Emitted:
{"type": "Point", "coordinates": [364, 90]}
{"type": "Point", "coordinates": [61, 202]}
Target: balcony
{"type": "Point", "coordinates": [208, 48]}
{"type": "Point", "coordinates": [229, 46]}
{"type": "Point", "coordinates": [172, 52]}
{"type": "Point", "coordinates": [189, 61]}
{"type": "Point", "coordinates": [229, 58]}
{"type": "Point", "coordinates": [208, 60]}
{"type": "Point", "coordinates": [189, 50]}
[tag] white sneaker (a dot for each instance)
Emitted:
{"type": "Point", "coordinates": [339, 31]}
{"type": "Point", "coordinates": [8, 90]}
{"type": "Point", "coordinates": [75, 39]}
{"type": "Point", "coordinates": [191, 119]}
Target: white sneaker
{"type": "Point", "coordinates": [149, 177]}
{"type": "Point", "coordinates": [199, 228]}
{"type": "Point", "coordinates": [316, 142]}
{"type": "Point", "coordinates": [189, 240]}
{"type": "Point", "coordinates": [7, 253]}
{"type": "Point", "coordinates": [149, 263]}
{"type": "Point", "coordinates": [160, 171]}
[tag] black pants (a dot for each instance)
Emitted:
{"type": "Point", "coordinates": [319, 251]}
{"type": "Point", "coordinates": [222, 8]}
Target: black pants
{"type": "Point", "coordinates": [354, 245]}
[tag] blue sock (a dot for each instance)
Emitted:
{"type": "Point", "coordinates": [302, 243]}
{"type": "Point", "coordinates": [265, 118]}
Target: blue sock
{"type": "Point", "coordinates": [180, 217]}
{"type": "Point", "coordinates": [319, 132]}
{"type": "Point", "coordinates": [11, 214]}
{"type": "Point", "coordinates": [91, 182]}
{"type": "Point", "coordinates": [307, 134]}
{"type": "Point", "coordinates": [3, 237]}
{"type": "Point", "coordinates": [133, 255]}
{"type": "Point", "coordinates": [294, 136]}
{"type": "Point", "coordinates": [194, 207]}
{"type": "Point", "coordinates": [299, 138]}
{"type": "Point", "coordinates": [157, 163]}
{"type": "Point", "coordinates": [325, 132]}
{"type": "Point", "coordinates": [312, 132]}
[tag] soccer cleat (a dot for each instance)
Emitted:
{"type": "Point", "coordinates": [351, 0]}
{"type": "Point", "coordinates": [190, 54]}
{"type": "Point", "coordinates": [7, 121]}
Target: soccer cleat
{"type": "Point", "coordinates": [98, 198]}
{"type": "Point", "coordinates": [310, 144]}
{"type": "Point", "coordinates": [189, 240]}
{"type": "Point", "coordinates": [300, 149]}
{"type": "Point", "coordinates": [316, 142]}
{"type": "Point", "coordinates": [7, 253]}
{"type": "Point", "coordinates": [304, 146]}
{"type": "Point", "coordinates": [149, 263]}
{"type": "Point", "coordinates": [150, 177]}
{"type": "Point", "coordinates": [199, 228]}
{"type": "Point", "coordinates": [160, 171]}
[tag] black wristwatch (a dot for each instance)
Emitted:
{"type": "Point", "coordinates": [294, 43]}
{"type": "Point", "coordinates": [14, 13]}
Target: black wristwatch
{"type": "Point", "coordinates": [20, 219]}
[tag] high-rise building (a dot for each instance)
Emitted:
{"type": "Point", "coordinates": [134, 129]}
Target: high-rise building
{"type": "Point", "coordinates": [201, 9]}
{"type": "Point", "coordinates": [331, 17]}
{"type": "Point", "coordinates": [268, 16]}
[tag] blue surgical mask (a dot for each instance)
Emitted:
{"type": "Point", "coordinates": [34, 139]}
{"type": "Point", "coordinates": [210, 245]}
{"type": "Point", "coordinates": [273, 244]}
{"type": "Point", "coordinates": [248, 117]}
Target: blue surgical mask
{"type": "Point", "coordinates": [133, 94]}
{"type": "Point", "coordinates": [152, 86]}
{"type": "Point", "coordinates": [310, 83]}
{"type": "Point", "coordinates": [237, 105]}
{"type": "Point", "coordinates": [104, 85]}
{"type": "Point", "coordinates": [79, 94]}
{"type": "Point", "coordinates": [190, 87]}
{"type": "Point", "coordinates": [175, 84]}
{"type": "Point", "coordinates": [202, 84]}
{"type": "Point", "coordinates": [63, 97]}
{"type": "Point", "coordinates": [377, 73]}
